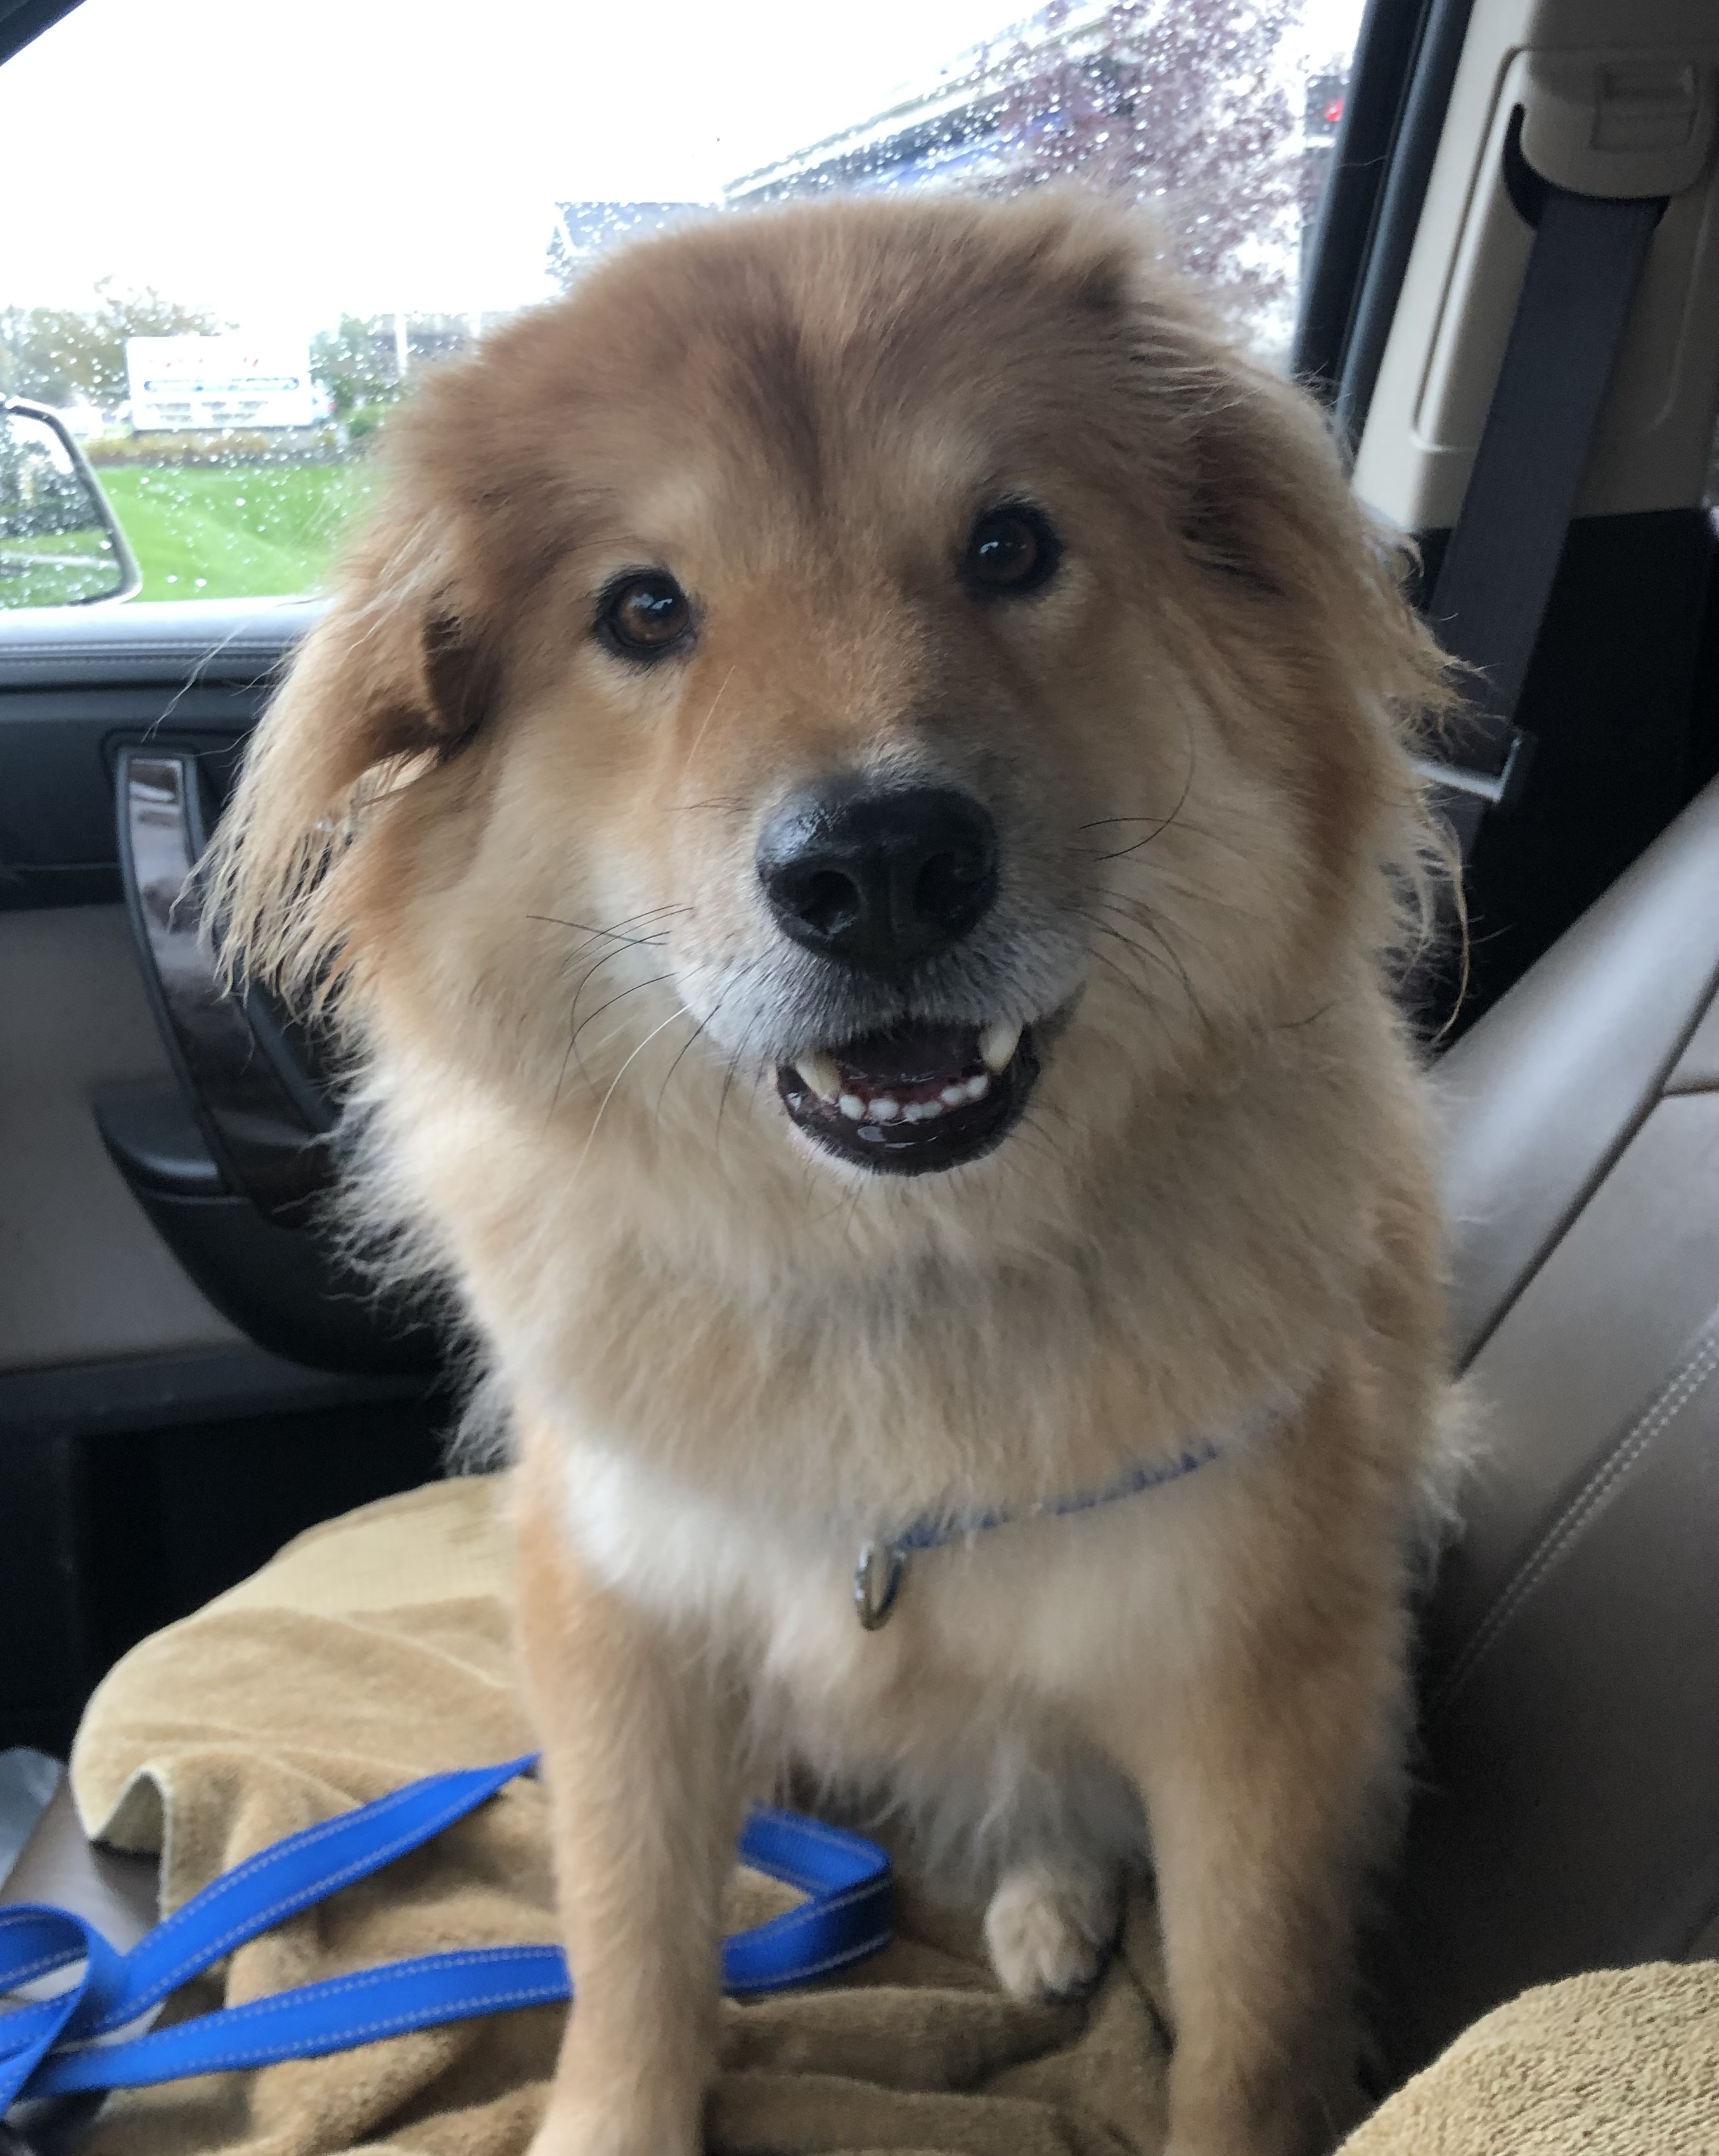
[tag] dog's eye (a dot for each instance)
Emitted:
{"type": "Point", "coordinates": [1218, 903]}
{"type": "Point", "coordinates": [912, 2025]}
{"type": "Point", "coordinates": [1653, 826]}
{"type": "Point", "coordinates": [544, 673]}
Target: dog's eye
{"type": "Point", "coordinates": [643, 616]}
{"type": "Point", "coordinates": [1011, 551]}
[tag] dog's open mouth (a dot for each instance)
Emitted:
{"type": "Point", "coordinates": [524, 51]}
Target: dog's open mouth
{"type": "Point", "coordinates": [916, 1099]}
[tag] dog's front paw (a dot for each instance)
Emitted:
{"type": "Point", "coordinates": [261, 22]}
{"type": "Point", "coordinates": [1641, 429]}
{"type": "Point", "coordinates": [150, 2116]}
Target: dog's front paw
{"type": "Point", "coordinates": [1049, 1930]}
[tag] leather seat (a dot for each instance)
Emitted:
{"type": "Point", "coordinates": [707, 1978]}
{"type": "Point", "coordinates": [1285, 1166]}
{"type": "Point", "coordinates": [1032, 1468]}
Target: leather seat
{"type": "Point", "coordinates": [1568, 1808]}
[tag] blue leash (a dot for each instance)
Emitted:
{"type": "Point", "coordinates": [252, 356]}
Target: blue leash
{"type": "Point", "coordinates": [51, 2047]}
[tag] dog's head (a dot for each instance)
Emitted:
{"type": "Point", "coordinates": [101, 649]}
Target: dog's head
{"type": "Point", "coordinates": [892, 655]}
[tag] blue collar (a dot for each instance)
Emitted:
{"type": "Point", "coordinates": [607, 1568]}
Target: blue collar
{"type": "Point", "coordinates": [883, 1564]}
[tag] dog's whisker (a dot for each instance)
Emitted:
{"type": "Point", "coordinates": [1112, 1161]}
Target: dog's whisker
{"type": "Point", "coordinates": [1122, 853]}
{"type": "Point", "coordinates": [1295, 1024]}
{"type": "Point", "coordinates": [693, 751]}
{"type": "Point", "coordinates": [704, 1023]}
{"type": "Point", "coordinates": [1162, 822]}
{"type": "Point", "coordinates": [626, 921]}
{"type": "Point", "coordinates": [1139, 915]}
{"type": "Point", "coordinates": [1098, 822]}
{"type": "Point", "coordinates": [700, 1027]}
{"type": "Point", "coordinates": [1138, 856]}
{"type": "Point", "coordinates": [679, 1011]}
{"type": "Point", "coordinates": [1030, 1127]}
{"type": "Point", "coordinates": [592, 970]}
{"type": "Point", "coordinates": [1164, 884]}
{"type": "Point", "coordinates": [572, 1054]}
{"type": "Point", "coordinates": [560, 1080]}
{"type": "Point", "coordinates": [1172, 961]}
{"type": "Point", "coordinates": [1103, 957]}
{"type": "Point", "coordinates": [1169, 963]}
{"type": "Point", "coordinates": [728, 1078]}
{"type": "Point", "coordinates": [573, 1021]}
{"type": "Point", "coordinates": [620, 996]}
{"type": "Point", "coordinates": [744, 1052]}
{"type": "Point", "coordinates": [653, 942]}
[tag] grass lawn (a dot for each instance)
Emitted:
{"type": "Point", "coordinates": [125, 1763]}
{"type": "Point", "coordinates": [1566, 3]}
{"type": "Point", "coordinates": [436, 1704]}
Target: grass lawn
{"type": "Point", "coordinates": [235, 532]}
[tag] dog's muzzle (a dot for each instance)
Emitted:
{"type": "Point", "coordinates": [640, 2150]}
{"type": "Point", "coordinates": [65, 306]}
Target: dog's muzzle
{"type": "Point", "coordinates": [881, 881]}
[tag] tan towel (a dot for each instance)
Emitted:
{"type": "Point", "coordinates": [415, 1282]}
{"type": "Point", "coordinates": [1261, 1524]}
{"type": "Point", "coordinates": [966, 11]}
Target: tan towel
{"type": "Point", "coordinates": [1624, 2063]}
{"type": "Point", "coordinates": [374, 1650]}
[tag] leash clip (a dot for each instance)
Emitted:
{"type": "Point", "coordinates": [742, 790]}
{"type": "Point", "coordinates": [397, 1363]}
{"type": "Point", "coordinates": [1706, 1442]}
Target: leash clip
{"type": "Point", "coordinates": [877, 1581]}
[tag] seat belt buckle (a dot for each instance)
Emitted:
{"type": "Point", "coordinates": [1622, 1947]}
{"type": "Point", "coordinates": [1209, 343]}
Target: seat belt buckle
{"type": "Point", "coordinates": [1497, 792]}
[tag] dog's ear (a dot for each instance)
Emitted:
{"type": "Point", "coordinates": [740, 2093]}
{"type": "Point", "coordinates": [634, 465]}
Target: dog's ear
{"type": "Point", "coordinates": [1263, 507]}
{"type": "Point", "coordinates": [1304, 600]}
{"type": "Point", "coordinates": [395, 679]}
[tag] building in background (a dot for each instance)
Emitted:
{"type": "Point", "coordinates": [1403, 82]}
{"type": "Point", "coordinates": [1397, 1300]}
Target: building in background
{"type": "Point", "coordinates": [1198, 108]}
{"type": "Point", "coordinates": [1202, 110]}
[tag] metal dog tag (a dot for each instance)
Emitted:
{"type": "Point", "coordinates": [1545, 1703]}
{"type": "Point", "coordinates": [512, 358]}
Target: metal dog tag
{"type": "Point", "coordinates": [877, 1581]}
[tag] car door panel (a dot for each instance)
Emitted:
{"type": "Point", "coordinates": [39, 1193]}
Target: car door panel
{"type": "Point", "coordinates": [152, 1447]}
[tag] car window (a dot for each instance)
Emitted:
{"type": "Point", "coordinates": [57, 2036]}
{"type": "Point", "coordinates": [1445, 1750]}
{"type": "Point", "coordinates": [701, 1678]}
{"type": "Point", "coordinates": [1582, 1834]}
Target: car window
{"type": "Point", "coordinates": [258, 225]}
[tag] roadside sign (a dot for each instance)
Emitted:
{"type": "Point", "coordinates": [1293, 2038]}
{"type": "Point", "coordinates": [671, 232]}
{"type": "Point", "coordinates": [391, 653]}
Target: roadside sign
{"type": "Point", "coordinates": [181, 382]}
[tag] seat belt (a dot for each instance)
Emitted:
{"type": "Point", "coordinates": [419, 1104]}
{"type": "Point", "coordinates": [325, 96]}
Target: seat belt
{"type": "Point", "coordinates": [1491, 594]}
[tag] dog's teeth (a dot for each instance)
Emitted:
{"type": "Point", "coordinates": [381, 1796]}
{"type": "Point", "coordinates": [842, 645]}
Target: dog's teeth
{"type": "Point", "coordinates": [884, 1110]}
{"type": "Point", "coordinates": [922, 1111]}
{"type": "Point", "coordinates": [820, 1074]}
{"type": "Point", "coordinates": [953, 1096]}
{"type": "Point", "coordinates": [853, 1107]}
{"type": "Point", "coordinates": [998, 1043]}
{"type": "Point", "coordinates": [977, 1088]}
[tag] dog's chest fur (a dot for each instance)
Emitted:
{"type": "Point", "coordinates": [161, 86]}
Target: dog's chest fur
{"type": "Point", "coordinates": [990, 1670]}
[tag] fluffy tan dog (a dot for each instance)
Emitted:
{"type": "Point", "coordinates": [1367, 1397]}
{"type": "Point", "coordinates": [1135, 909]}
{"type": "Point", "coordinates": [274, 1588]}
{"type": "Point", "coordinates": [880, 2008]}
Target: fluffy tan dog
{"type": "Point", "coordinates": [852, 812]}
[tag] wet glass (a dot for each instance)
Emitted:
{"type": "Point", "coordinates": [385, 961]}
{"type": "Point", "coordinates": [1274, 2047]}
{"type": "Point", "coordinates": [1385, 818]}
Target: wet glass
{"type": "Point", "coordinates": [263, 222]}
{"type": "Point", "coordinates": [55, 548]}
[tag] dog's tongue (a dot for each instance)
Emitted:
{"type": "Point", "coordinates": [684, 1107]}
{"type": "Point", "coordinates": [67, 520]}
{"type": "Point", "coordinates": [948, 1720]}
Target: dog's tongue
{"type": "Point", "coordinates": [916, 1055]}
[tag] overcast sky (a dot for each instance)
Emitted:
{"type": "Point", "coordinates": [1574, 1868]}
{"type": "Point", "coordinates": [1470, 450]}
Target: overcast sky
{"type": "Point", "coordinates": [283, 164]}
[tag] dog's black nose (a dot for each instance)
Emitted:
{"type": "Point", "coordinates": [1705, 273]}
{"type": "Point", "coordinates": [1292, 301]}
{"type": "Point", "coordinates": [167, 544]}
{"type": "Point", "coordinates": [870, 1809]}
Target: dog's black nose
{"type": "Point", "coordinates": [879, 879]}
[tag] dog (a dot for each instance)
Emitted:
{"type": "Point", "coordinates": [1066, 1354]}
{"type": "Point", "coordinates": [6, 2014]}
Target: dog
{"type": "Point", "coordinates": [853, 815]}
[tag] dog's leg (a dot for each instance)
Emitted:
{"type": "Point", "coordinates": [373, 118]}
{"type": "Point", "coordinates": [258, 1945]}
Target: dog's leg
{"type": "Point", "coordinates": [1265, 1777]}
{"type": "Point", "coordinates": [1050, 1926]}
{"type": "Point", "coordinates": [638, 1753]}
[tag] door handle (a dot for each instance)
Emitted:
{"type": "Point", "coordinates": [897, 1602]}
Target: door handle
{"type": "Point", "coordinates": [267, 1126]}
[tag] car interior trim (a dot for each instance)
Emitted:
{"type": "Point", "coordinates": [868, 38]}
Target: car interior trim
{"type": "Point", "coordinates": [1415, 147]}
{"type": "Point", "coordinates": [1385, 47]}
{"type": "Point", "coordinates": [1458, 295]}
{"type": "Point", "coordinates": [179, 643]}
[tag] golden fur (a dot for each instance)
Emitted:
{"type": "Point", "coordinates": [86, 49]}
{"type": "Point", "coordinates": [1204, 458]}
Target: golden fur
{"type": "Point", "coordinates": [518, 871]}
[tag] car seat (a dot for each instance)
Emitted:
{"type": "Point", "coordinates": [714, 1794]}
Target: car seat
{"type": "Point", "coordinates": [1565, 1814]}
